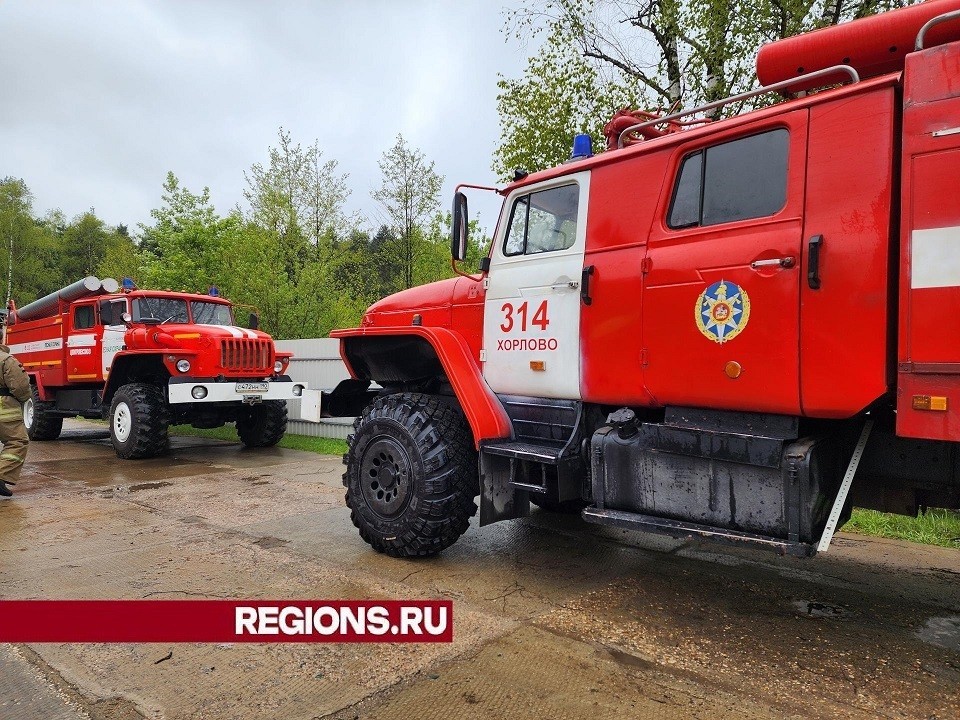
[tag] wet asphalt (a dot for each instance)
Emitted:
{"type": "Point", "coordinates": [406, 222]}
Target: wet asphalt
{"type": "Point", "coordinates": [554, 618]}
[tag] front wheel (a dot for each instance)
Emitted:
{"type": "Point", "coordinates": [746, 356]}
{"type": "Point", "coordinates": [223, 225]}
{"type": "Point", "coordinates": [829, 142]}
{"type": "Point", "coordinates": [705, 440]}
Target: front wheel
{"type": "Point", "coordinates": [38, 421]}
{"type": "Point", "coordinates": [411, 475]}
{"type": "Point", "coordinates": [139, 421]}
{"type": "Point", "coordinates": [263, 424]}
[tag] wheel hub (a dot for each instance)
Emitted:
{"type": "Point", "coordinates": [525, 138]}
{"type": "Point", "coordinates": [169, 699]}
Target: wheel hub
{"type": "Point", "coordinates": [385, 477]}
{"type": "Point", "coordinates": [28, 413]}
{"type": "Point", "coordinates": [122, 421]}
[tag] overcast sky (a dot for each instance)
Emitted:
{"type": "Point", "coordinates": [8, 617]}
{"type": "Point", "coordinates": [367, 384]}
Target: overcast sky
{"type": "Point", "coordinates": [100, 99]}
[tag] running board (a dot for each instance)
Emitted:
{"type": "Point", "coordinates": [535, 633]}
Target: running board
{"type": "Point", "coordinates": [681, 529]}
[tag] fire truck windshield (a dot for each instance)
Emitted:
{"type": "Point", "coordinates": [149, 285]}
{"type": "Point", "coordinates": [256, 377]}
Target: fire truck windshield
{"type": "Point", "coordinates": [159, 310]}
{"type": "Point", "coordinates": [208, 313]}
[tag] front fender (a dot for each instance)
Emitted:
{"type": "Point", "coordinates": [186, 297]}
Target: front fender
{"type": "Point", "coordinates": [375, 354]}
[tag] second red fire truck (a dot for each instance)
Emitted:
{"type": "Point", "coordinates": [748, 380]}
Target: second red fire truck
{"type": "Point", "coordinates": [145, 360]}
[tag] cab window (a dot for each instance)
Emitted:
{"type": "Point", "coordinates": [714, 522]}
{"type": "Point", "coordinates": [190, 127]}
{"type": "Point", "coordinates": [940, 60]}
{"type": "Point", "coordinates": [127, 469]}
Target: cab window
{"type": "Point", "coordinates": [111, 312]}
{"type": "Point", "coordinates": [208, 313]}
{"type": "Point", "coordinates": [543, 221]}
{"type": "Point", "coordinates": [737, 180]}
{"type": "Point", "coordinates": [83, 317]}
{"type": "Point", "coordinates": [160, 309]}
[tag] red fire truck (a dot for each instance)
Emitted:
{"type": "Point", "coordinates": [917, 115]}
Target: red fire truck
{"type": "Point", "coordinates": [146, 359]}
{"type": "Point", "coordinates": [706, 330]}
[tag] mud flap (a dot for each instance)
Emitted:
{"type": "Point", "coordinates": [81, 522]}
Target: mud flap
{"type": "Point", "coordinates": [498, 499]}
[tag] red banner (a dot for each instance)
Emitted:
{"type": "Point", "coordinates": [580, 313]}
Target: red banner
{"type": "Point", "coordinates": [166, 621]}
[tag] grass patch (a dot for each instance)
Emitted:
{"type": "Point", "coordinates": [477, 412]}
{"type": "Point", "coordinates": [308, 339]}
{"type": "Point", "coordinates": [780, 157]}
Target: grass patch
{"type": "Point", "coordinates": [322, 446]}
{"type": "Point", "coordinates": [934, 527]}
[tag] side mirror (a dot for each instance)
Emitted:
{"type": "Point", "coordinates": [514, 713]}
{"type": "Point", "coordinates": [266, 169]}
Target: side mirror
{"type": "Point", "coordinates": [254, 321]}
{"type": "Point", "coordinates": [127, 318]}
{"type": "Point", "coordinates": [458, 233]}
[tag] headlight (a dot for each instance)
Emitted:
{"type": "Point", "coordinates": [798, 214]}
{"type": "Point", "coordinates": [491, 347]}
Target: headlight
{"type": "Point", "coordinates": [183, 366]}
{"type": "Point", "coordinates": [199, 392]}
{"type": "Point", "coordinates": [298, 390]}
{"type": "Point", "coordinates": [278, 367]}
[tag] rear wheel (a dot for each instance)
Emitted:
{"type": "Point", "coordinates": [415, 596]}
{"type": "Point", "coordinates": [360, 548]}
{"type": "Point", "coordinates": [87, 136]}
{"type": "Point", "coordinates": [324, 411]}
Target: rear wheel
{"type": "Point", "coordinates": [138, 421]}
{"type": "Point", "coordinates": [263, 424]}
{"type": "Point", "coordinates": [38, 421]}
{"type": "Point", "coordinates": [411, 475]}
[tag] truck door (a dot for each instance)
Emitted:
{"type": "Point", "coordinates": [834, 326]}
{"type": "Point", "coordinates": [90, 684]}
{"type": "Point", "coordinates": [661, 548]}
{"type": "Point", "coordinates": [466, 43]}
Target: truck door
{"type": "Point", "coordinates": [531, 320]}
{"type": "Point", "coordinates": [721, 298]}
{"type": "Point", "coordinates": [111, 315]}
{"type": "Point", "coordinates": [82, 358]}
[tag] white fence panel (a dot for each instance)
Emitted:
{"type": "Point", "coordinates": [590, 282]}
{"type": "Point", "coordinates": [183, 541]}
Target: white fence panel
{"type": "Point", "coordinates": [316, 361]}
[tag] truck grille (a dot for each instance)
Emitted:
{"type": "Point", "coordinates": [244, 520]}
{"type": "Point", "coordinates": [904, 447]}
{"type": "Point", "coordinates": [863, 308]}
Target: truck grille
{"type": "Point", "coordinates": [245, 354]}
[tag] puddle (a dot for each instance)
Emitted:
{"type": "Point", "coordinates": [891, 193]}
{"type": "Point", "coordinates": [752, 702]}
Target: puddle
{"type": "Point", "coordinates": [942, 631]}
{"type": "Point", "coordinates": [269, 542]}
{"type": "Point", "coordinates": [149, 486]}
{"type": "Point", "coordinates": [144, 473]}
{"type": "Point", "coordinates": [820, 610]}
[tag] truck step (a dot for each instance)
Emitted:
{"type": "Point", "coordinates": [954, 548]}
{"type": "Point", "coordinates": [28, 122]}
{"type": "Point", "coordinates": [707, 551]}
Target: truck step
{"type": "Point", "coordinates": [681, 529]}
{"type": "Point", "coordinates": [519, 450]}
{"type": "Point", "coordinates": [542, 420]}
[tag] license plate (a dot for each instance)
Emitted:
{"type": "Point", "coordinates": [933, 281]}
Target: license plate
{"type": "Point", "coordinates": [256, 388]}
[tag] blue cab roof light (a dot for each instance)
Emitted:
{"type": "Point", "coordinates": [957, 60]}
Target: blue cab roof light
{"type": "Point", "coordinates": [129, 284]}
{"type": "Point", "coordinates": [213, 291]}
{"type": "Point", "coordinates": [582, 147]}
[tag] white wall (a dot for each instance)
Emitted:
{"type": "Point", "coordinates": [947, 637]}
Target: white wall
{"type": "Point", "coordinates": [318, 362]}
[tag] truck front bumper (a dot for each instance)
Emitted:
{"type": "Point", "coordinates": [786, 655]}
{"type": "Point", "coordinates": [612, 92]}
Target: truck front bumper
{"type": "Point", "coordinates": [249, 391]}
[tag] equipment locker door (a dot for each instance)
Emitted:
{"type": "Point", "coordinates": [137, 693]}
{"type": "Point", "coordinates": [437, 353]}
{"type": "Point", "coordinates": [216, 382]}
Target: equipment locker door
{"type": "Point", "coordinates": [531, 323]}
{"type": "Point", "coordinates": [721, 291]}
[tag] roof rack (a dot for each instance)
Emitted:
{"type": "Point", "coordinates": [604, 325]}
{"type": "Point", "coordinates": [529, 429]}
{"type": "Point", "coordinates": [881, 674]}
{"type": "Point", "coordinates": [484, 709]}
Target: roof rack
{"type": "Point", "coordinates": [833, 70]}
{"type": "Point", "coordinates": [918, 45]}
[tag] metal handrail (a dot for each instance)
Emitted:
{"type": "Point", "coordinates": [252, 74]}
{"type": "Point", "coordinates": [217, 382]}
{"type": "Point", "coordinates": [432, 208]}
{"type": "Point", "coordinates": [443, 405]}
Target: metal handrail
{"type": "Point", "coordinates": [952, 15]}
{"type": "Point", "coordinates": [854, 77]}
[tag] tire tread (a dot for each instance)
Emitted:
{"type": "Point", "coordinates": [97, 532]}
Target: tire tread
{"type": "Point", "coordinates": [150, 423]}
{"type": "Point", "coordinates": [445, 444]}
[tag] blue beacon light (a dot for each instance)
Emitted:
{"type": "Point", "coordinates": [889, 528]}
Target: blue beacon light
{"type": "Point", "coordinates": [582, 147]}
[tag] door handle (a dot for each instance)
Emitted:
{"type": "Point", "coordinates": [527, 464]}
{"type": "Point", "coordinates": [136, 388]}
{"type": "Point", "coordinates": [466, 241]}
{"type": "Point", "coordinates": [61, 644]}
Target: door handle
{"type": "Point", "coordinates": [585, 285]}
{"type": "Point", "coordinates": [784, 262]}
{"type": "Point", "coordinates": [813, 262]}
{"type": "Point", "coordinates": [569, 285]}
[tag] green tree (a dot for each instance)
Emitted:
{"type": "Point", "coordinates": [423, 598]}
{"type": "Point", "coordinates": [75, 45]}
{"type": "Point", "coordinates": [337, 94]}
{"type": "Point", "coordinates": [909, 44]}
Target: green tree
{"type": "Point", "coordinates": [84, 245]}
{"type": "Point", "coordinates": [409, 194]}
{"type": "Point", "coordinates": [30, 251]}
{"type": "Point", "coordinates": [121, 258]}
{"type": "Point", "coordinates": [558, 96]}
{"type": "Point", "coordinates": [184, 248]}
{"type": "Point", "coordinates": [660, 54]}
{"type": "Point", "coordinates": [299, 196]}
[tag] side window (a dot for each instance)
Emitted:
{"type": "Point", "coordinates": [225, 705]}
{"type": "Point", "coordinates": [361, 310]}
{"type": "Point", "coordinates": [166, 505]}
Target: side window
{"type": "Point", "coordinates": [544, 221]}
{"type": "Point", "coordinates": [738, 180]}
{"type": "Point", "coordinates": [83, 317]}
{"type": "Point", "coordinates": [111, 312]}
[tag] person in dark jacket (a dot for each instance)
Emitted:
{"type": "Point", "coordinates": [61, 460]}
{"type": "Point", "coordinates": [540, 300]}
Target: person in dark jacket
{"type": "Point", "coordinates": [14, 391]}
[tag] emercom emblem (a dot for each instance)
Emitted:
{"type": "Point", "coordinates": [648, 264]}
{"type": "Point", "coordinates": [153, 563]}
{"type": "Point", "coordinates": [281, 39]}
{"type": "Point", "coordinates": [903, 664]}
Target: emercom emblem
{"type": "Point", "coordinates": [722, 311]}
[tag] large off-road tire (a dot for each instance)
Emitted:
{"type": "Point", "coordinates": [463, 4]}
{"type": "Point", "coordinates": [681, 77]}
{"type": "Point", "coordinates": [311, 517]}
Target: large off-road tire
{"type": "Point", "coordinates": [139, 419]}
{"type": "Point", "coordinates": [263, 424]}
{"type": "Point", "coordinates": [411, 475]}
{"type": "Point", "coordinates": [38, 421]}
